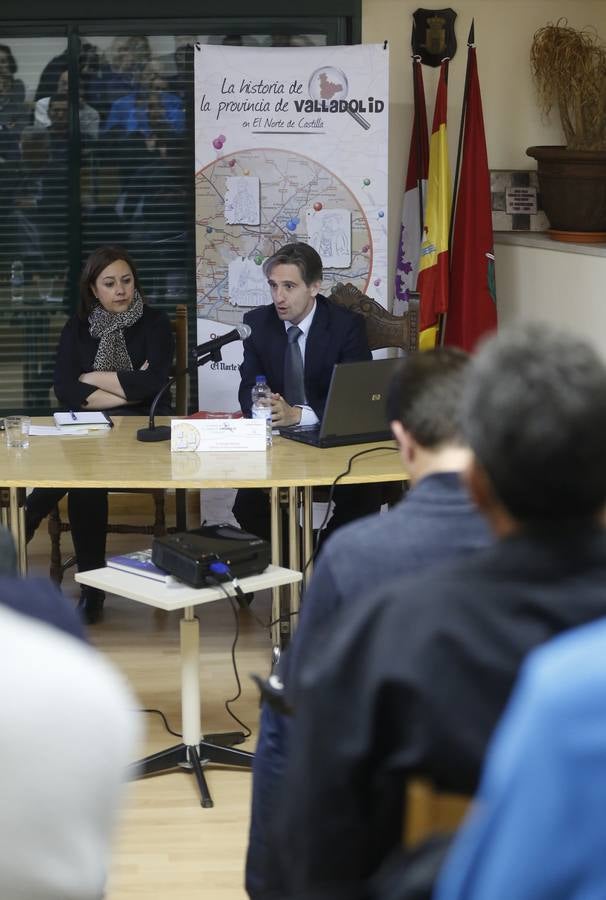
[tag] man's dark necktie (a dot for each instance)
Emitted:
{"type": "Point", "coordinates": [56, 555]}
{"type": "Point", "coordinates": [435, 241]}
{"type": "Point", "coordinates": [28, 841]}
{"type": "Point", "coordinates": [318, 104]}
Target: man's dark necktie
{"type": "Point", "coordinates": [294, 384]}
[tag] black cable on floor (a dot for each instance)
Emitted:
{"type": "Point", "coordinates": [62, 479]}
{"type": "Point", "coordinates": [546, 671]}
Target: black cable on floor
{"type": "Point", "coordinates": [159, 712]}
{"type": "Point", "coordinates": [238, 694]}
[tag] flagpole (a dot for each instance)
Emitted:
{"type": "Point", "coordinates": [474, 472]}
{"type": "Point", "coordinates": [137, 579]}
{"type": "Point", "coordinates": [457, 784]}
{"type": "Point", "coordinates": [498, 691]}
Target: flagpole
{"type": "Point", "coordinates": [470, 43]}
{"type": "Point", "coordinates": [416, 61]}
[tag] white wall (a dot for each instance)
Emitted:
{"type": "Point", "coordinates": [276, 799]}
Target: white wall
{"type": "Point", "coordinates": [548, 283]}
{"type": "Point", "coordinates": [503, 34]}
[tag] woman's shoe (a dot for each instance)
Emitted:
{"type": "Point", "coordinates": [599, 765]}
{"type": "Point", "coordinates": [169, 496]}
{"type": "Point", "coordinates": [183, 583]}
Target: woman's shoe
{"type": "Point", "coordinates": [90, 604]}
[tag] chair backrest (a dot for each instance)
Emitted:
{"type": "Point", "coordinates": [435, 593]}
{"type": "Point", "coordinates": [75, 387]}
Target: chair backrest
{"type": "Point", "coordinates": [382, 327]}
{"type": "Point", "coordinates": [179, 329]}
{"type": "Point", "coordinates": [429, 811]}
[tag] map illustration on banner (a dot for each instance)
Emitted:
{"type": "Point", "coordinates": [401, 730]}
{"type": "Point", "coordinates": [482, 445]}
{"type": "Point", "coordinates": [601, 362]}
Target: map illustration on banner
{"type": "Point", "coordinates": [291, 145]}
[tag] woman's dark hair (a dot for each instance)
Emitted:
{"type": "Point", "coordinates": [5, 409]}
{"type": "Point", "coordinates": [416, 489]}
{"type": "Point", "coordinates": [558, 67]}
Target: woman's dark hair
{"type": "Point", "coordinates": [99, 260]}
{"type": "Point", "coordinates": [12, 62]}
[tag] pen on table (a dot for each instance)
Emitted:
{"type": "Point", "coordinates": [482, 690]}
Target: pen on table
{"type": "Point", "coordinates": [73, 415]}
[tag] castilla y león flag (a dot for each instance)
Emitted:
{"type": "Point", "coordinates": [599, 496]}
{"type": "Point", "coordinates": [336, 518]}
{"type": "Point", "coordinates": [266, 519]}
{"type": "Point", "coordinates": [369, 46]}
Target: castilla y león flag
{"type": "Point", "coordinates": [472, 309]}
{"type": "Point", "coordinates": [432, 282]}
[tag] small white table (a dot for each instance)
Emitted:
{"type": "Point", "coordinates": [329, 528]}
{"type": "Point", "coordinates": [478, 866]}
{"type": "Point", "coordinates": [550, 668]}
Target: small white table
{"type": "Point", "coordinates": [194, 752]}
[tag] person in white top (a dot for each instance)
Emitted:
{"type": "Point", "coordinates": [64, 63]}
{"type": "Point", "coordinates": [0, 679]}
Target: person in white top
{"type": "Point", "coordinates": [69, 731]}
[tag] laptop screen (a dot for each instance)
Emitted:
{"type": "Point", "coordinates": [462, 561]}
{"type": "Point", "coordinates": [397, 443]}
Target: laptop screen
{"type": "Point", "coordinates": [356, 401]}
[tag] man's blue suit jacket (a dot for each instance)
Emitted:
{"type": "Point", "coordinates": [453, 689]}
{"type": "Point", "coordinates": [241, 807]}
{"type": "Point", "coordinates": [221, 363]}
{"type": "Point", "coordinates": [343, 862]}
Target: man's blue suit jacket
{"type": "Point", "coordinates": [336, 335]}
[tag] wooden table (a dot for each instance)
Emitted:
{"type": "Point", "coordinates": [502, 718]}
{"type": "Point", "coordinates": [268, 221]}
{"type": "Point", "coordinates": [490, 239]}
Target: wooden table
{"type": "Point", "coordinates": [115, 459]}
{"type": "Point", "coordinates": [196, 750]}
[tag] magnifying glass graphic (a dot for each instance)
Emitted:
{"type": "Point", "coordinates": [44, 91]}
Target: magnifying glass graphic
{"type": "Point", "coordinates": [329, 83]}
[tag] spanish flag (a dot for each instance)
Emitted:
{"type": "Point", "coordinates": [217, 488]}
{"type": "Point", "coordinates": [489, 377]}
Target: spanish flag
{"type": "Point", "coordinates": [432, 282]}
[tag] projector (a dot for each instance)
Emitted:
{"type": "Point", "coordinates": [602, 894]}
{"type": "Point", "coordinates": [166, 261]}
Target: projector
{"type": "Point", "coordinates": [188, 555]}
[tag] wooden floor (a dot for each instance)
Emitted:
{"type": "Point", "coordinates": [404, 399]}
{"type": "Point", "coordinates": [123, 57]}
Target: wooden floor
{"type": "Point", "coordinates": [166, 845]}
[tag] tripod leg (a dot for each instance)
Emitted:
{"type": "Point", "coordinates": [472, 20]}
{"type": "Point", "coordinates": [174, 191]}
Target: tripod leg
{"type": "Point", "coordinates": [227, 756]}
{"type": "Point", "coordinates": [159, 762]}
{"type": "Point", "coordinates": [194, 760]}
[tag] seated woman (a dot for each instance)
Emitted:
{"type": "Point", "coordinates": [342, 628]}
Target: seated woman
{"type": "Point", "coordinates": [115, 354]}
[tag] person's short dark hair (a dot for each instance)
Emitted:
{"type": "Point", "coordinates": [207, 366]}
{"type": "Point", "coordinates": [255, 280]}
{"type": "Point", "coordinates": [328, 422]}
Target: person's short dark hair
{"type": "Point", "coordinates": [298, 254]}
{"type": "Point", "coordinates": [425, 396]}
{"type": "Point", "coordinates": [99, 260]}
{"type": "Point", "coordinates": [12, 62]}
{"type": "Point", "coordinates": [534, 414]}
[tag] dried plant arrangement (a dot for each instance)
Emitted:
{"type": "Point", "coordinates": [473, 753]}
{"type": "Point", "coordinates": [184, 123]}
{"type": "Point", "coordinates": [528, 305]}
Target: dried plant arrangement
{"type": "Point", "coordinates": [569, 68]}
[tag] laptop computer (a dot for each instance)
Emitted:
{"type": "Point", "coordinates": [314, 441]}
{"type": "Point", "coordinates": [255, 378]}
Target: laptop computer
{"type": "Point", "coordinates": [355, 410]}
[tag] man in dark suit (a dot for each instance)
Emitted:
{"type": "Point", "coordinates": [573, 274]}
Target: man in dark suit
{"type": "Point", "coordinates": [295, 342]}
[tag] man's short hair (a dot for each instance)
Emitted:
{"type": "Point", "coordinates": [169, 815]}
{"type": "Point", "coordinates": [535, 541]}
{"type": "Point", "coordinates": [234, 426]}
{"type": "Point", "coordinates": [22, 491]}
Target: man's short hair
{"type": "Point", "coordinates": [534, 413]}
{"type": "Point", "coordinates": [298, 254]}
{"type": "Point", "coordinates": [425, 396]}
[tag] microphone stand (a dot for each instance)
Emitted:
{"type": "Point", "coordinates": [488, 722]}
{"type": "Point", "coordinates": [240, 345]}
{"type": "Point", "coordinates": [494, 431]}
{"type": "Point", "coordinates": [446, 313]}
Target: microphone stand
{"type": "Point", "coordinates": [155, 432]}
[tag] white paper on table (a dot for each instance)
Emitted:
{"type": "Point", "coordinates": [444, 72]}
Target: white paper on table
{"type": "Point", "coordinates": [242, 200]}
{"type": "Point", "coordinates": [329, 232]}
{"type": "Point", "coordinates": [53, 431]}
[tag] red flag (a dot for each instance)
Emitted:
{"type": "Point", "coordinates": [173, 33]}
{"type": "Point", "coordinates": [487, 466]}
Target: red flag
{"type": "Point", "coordinates": [472, 310]}
{"type": "Point", "coordinates": [432, 282]}
{"type": "Point", "coordinates": [416, 183]}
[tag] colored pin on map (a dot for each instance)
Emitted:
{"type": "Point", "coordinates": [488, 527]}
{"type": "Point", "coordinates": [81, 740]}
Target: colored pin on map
{"type": "Point", "coordinates": [292, 223]}
{"type": "Point", "coordinates": [258, 260]}
{"type": "Point", "coordinates": [209, 229]}
{"type": "Point", "coordinates": [231, 163]}
{"type": "Point", "coordinates": [366, 182]}
{"type": "Point", "coordinates": [380, 214]}
{"type": "Point", "coordinates": [377, 282]}
{"type": "Point", "coordinates": [365, 248]}
{"type": "Point", "coordinates": [218, 143]}
{"type": "Point", "coordinates": [317, 206]}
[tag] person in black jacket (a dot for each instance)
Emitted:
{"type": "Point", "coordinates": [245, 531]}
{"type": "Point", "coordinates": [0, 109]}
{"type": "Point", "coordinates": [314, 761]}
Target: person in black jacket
{"type": "Point", "coordinates": [114, 354]}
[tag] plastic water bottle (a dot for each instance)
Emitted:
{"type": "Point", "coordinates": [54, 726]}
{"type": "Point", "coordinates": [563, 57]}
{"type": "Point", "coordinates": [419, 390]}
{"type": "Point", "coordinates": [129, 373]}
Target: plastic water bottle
{"type": "Point", "coordinates": [261, 403]}
{"type": "Point", "coordinates": [17, 281]}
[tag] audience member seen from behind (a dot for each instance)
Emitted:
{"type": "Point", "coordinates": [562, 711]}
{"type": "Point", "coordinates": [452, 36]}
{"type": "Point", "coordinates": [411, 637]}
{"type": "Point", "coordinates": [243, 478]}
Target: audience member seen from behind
{"type": "Point", "coordinates": [69, 734]}
{"type": "Point", "coordinates": [435, 521]}
{"type": "Point", "coordinates": [115, 354]}
{"type": "Point", "coordinates": [416, 678]}
{"type": "Point", "coordinates": [536, 831]}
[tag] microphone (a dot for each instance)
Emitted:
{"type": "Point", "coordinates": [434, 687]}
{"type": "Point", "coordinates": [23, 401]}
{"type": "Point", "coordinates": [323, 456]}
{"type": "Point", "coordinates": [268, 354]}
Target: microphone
{"type": "Point", "coordinates": [239, 333]}
{"type": "Point", "coordinates": [209, 351]}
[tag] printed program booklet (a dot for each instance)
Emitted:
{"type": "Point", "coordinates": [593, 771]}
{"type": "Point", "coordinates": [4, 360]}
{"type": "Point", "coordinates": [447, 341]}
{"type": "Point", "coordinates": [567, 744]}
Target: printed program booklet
{"type": "Point", "coordinates": [140, 563]}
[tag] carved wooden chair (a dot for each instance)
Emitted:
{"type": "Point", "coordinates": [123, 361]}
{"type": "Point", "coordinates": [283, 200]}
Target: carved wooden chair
{"type": "Point", "coordinates": [384, 329]}
{"type": "Point", "coordinates": [157, 527]}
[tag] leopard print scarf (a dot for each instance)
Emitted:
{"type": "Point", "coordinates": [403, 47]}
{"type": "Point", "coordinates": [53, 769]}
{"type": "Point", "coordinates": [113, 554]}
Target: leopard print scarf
{"type": "Point", "coordinates": [112, 355]}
